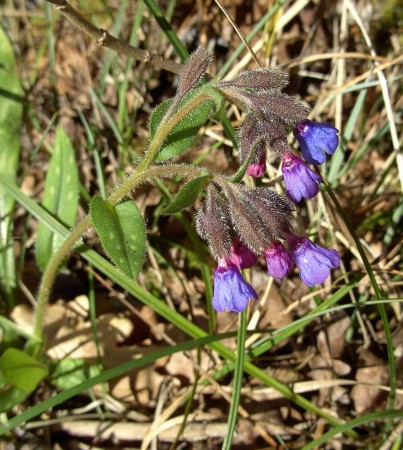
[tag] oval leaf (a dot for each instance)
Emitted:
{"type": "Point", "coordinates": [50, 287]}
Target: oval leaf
{"type": "Point", "coordinates": [184, 134]}
{"type": "Point", "coordinates": [122, 233]}
{"type": "Point", "coordinates": [60, 198]}
{"type": "Point", "coordinates": [68, 373]}
{"type": "Point", "coordinates": [187, 195]}
{"type": "Point", "coordinates": [21, 370]}
{"type": "Point", "coordinates": [11, 397]}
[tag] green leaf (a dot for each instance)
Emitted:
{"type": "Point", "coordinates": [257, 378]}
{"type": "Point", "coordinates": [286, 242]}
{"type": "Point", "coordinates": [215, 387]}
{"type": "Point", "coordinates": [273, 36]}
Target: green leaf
{"type": "Point", "coordinates": [10, 126]}
{"type": "Point", "coordinates": [184, 134]}
{"type": "Point", "coordinates": [61, 196]}
{"type": "Point", "coordinates": [68, 373]}
{"type": "Point", "coordinates": [187, 195]}
{"type": "Point", "coordinates": [122, 233]}
{"type": "Point", "coordinates": [21, 370]}
{"type": "Point", "coordinates": [10, 397]}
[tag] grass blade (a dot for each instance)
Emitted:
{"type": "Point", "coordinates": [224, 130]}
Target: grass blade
{"type": "Point", "coordinates": [238, 375]}
{"type": "Point", "coordinates": [104, 377]}
{"type": "Point", "coordinates": [378, 296]}
{"type": "Point", "coordinates": [161, 308]}
{"type": "Point", "coordinates": [379, 415]}
{"type": "Point", "coordinates": [167, 29]}
{"type": "Point", "coordinates": [10, 126]}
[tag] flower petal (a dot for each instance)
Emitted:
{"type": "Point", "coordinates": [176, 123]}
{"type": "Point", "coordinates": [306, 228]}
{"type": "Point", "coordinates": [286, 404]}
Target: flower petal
{"type": "Point", "coordinates": [279, 260]}
{"type": "Point", "coordinates": [316, 140]}
{"type": "Point", "coordinates": [300, 180]}
{"type": "Point", "coordinates": [231, 291]}
{"type": "Point", "coordinates": [314, 262]}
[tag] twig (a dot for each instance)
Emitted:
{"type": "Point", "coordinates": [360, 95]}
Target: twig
{"type": "Point", "coordinates": [238, 31]}
{"type": "Point", "coordinates": [105, 39]}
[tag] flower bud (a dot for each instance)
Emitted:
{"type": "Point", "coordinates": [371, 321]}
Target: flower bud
{"type": "Point", "coordinates": [274, 105]}
{"type": "Point", "coordinates": [213, 224]}
{"type": "Point", "coordinates": [278, 106]}
{"type": "Point", "coordinates": [244, 217]}
{"type": "Point", "coordinates": [273, 209]}
{"type": "Point", "coordinates": [192, 70]}
{"type": "Point", "coordinates": [241, 256]}
{"type": "Point", "coordinates": [255, 132]}
{"type": "Point", "coordinates": [279, 260]}
{"type": "Point", "coordinates": [251, 139]}
{"type": "Point", "coordinates": [257, 170]}
{"type": "Point", "coordinates": [259, 79]}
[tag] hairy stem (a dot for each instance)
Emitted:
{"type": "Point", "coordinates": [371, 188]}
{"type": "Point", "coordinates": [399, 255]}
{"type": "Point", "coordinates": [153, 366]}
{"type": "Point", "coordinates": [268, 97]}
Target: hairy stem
{"type": "Point", "coordinates": [130, 183]}
{"type": "Point", "coordinates": [140, 175]}
{"type": "Point", "coordinates": [51, 271]}
{"type": "Point", "coordinates": [169, 125]}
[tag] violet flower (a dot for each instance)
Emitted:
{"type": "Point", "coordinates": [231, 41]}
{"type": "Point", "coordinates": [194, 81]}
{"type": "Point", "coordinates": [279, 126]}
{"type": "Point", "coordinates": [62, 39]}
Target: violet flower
{"type": "Point", "coordinates": [300, 181]}
{"type": "Point", "coordinates": [259, 169]}
{"type": "Point", "coordinates": [279, 260]}
{"type": "Point", "coordinates": [241, 256]}
{"type": "Point", "coordinates": [316, 140]}
{"type": "Point", "coordinates": [314, 262]}
{"type": "Point", "coordinates": [231, 291]}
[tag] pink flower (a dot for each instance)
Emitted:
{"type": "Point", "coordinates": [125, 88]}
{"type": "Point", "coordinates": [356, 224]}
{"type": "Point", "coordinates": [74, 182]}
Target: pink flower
{"type": "Point", "coordinates": [241, 256]}
{"type": "Point", "coordinates": [259, 169]}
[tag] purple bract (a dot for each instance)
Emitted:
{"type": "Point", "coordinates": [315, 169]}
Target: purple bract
{"type": "Point", "coordinates": [316, 140]}
{"type": "Point", "coordinates": [231, 291]}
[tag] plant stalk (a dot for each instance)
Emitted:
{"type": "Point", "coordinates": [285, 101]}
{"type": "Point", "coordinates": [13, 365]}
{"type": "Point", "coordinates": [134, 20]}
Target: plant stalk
{"type": "Point", "coordinates": [131, 182]}
{"type": "Point", "coordinates": [140, 175]}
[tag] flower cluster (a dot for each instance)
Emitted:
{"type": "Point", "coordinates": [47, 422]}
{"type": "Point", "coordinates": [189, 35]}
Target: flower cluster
{"type": "Point", "coordinates": [269, 114]}
{"type": "Point", "coordinates": [240, 223]}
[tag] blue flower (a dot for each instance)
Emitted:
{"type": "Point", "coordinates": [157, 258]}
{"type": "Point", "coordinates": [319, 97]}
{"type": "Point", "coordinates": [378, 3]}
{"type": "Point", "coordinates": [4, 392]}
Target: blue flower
{"type": "Point", "coordinates": [316, 139]}
{"type": "Point", "coordinates": [314, 262]}
{"type": "Point", "coordinates": [231, 291]}
{"type": "Point", "coordinates": [279, 260]}
{"type": "Point", "coordinates": [300, 181]}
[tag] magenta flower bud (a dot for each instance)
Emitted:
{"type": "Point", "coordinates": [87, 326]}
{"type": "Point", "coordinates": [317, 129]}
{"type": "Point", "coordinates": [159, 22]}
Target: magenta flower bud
{"type": "Point", "coordinates": [316, 140]}
{"type": "Point", "coordinates": [241, 256]}
{"type": "Point", "coordinates": [314, 262]}
{"type": "Point", "coordinates": [279, 260]}
{"type": "Point", "coordinates": [231, 291]}
{"type": "Point", "coordinates": [300, 181]}
{"type": "Point", "coordinates": [259, 169]}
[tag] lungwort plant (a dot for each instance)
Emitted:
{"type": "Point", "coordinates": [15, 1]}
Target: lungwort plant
{"type": "Point", "coordinates": [239, 223]}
